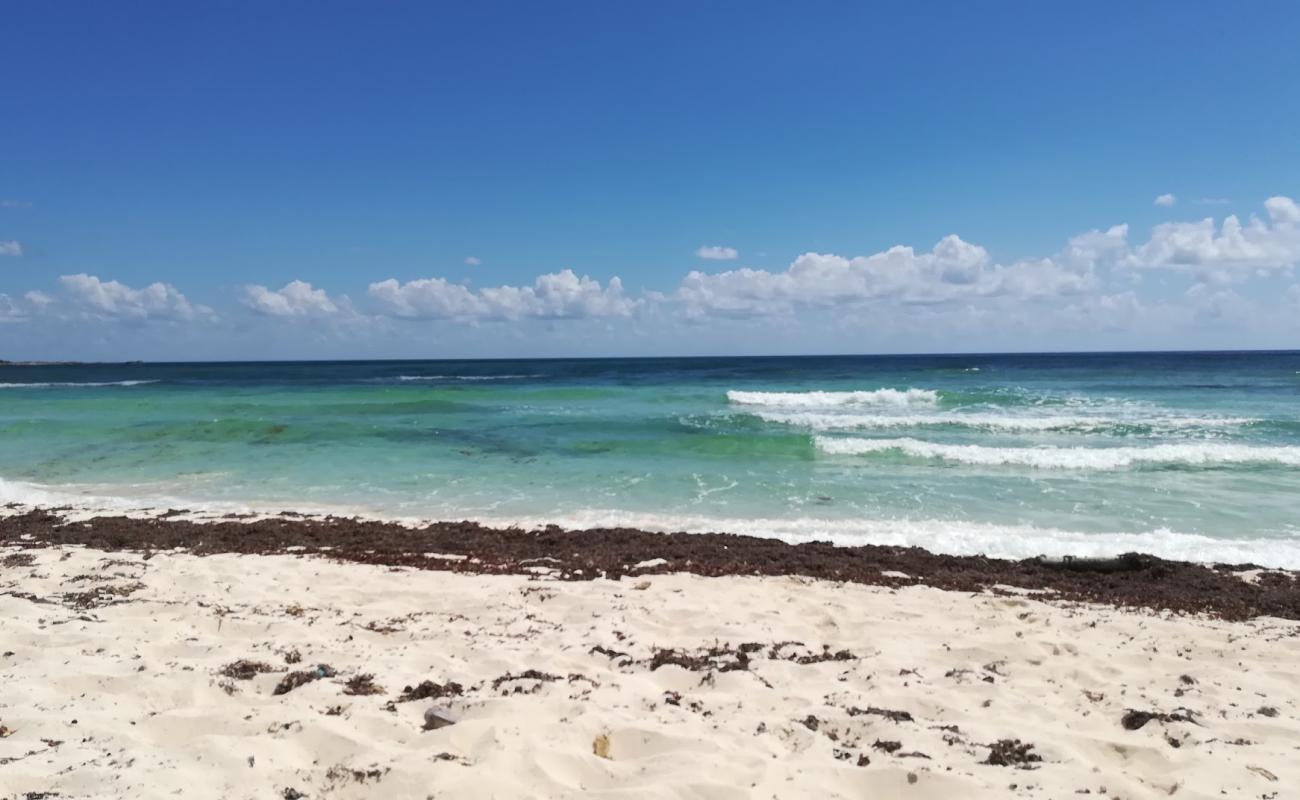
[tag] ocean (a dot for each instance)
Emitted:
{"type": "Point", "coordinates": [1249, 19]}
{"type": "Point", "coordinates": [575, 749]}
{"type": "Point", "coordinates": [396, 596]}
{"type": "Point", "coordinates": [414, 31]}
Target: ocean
{"type": "Point", "coordinates": [1185, 455]}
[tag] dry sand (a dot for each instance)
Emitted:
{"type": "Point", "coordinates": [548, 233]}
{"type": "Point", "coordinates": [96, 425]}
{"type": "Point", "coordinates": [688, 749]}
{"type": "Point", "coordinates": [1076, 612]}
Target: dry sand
{"type": "Point", "coordinates": [111, 684]}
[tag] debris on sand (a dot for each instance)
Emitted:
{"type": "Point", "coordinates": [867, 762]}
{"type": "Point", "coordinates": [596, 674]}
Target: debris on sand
{"type": "Point", "coordinates": [428, 690]}
{"type": "Point", "coordinates": [435, 718]}
{"type": "Point", "coordinates": [725, 658]}
{"type": "Point", "coordinates": [816, 658]}
{"type": "Point", "coordinates": [18, 560]}
{"type": "Point", "coordinates": [1130, 580]}
{"type": "Point", "coordinates": [302, 677]}
{"type": "Point", "coordinates": [889, 714]}
{"type": "Point", "coordinates": [722, 658]}
{"type": "Point", "coordinates": [1133, 719]}
{"type": "Point", "coordinates": [526, 675]}
{"type": "Point", "coordinates": [100, 596]}
{"type": "Point", "coordinates": [620, 658]}
{"type": "Point", "coordinates": [362, 684]}
{"type": "Point", "coordinates": [340, 775]}
{"type": "Point", "coordinates": [1263, 773]}
{"type": "Point", "coordinates": [1012, 753]}
{"type": "Point", "coordinates": [600, 746]}
{"type": "Point", "coordinates": [245, 669]}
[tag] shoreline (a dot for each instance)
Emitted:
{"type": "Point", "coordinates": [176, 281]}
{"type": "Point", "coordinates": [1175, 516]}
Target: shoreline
{"type": "Point", "coordinates": [1005, 540]}
{"type": "Point", "coordinates": [1229, 591]}
{"type": "Point", "coordinates": [301, 673]}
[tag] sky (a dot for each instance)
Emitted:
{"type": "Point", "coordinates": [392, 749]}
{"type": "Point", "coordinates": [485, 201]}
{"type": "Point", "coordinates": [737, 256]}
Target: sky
{"type": "Point", "coordinates": [249, 180]}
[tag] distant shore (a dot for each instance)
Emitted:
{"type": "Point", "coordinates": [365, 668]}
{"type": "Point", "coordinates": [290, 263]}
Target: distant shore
{"type": "Point", "coordinates": [4, 363]}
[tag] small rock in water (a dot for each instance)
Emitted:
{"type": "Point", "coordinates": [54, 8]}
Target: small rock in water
{"type": "Point", "coordinates": [435, 718]}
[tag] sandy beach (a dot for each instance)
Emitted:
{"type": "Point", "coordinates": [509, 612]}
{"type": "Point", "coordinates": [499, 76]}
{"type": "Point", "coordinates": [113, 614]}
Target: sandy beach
{"type": "Point", "coordinates": [163, 673]}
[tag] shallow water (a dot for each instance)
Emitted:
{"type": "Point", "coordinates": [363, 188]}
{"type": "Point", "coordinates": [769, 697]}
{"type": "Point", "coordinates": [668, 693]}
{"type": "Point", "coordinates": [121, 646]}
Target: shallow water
{"type": "Point", "coordinates": [1193, 455]}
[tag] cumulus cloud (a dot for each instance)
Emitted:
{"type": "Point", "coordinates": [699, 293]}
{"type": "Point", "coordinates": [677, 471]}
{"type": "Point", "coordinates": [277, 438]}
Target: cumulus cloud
{"type": "Point", "coordinates": [954, 289]}
{"type": "Point", "coordinates": [110, 299]}
{"type": "Point", "coordinates": [1283, 210]}
{"type": "Point", "coordinates": [1166, 200]}
{"type": "Point", "coordinates": [10, 248]}
{"type": "Point", "coordinates": [557, 295]}
{"type": "Point", "coordinates": [953, 269]}
{"type": "Point", "coordinates": [294, 299]}
{"type": "Point", "coordinates": [716, 253]}
{"type": "Point", "coordinates": [472, 261]}
{"type": "Point", "coordinates": [1204, 246]}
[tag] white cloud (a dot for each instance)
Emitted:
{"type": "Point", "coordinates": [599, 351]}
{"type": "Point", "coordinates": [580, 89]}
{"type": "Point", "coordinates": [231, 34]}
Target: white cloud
{"type": "Point", "coordinates": [952, 270]}
{"type": "Point", "coordinates": [957, 271]}
{"type": "Point", "coordinates": [557, 295]}
{"type": "Point", "coordinates": [716, 253]}
{"type": "Point", "coordinates": [9, 203]}
{"type": "Point", "coordinates": [294, 299]}
{"type": "Point", "coordinates": [39, 299]}
{"type": "Point", "coordinates": [472, 261]}
{"type": "Point", "coordinates": [10, 248]}
{"type": "Point", "coordinates": [1283, 210]}
{"type": "Point", "coordinates": [1204, 246]}
{"type": "Point", "coordinates": [111, 299]}
{"type": "Point", "coordinates": [1166, 200]}
{"type": "Point", "coordinates": [10, 311]}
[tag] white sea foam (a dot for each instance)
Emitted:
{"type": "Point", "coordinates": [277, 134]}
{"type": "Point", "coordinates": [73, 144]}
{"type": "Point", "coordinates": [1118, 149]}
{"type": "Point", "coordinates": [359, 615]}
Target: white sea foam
{"type": "Point", "coordinates": [949, 536]}
{"type": "Point", "coordinates": [463, 377]}
{"type": "Point", "coordinates": [822, 421]}
{"type": "Point", "coordinates": [897, 398]}
{"type": "Point", "coordinates": [71, 385]}
{"type": "Point", "coordinates": [1096, 458]}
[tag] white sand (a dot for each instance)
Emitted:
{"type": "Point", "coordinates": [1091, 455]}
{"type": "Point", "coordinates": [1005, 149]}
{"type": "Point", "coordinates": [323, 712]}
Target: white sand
{"type": "Point", "coordinates": [126, 700]}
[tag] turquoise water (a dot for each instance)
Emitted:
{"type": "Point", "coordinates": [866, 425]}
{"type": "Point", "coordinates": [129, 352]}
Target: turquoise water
{"type": "Point", "coordinates": [1191, 454]}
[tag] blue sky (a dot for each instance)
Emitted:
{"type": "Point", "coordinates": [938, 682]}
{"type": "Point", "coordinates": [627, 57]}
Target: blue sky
{"type": "Point", "coordinates": [399, 179]}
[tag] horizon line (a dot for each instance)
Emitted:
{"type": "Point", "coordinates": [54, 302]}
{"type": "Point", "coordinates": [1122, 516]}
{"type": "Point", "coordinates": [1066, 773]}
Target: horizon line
{"type": "Point", "coordinates": [972, 354]}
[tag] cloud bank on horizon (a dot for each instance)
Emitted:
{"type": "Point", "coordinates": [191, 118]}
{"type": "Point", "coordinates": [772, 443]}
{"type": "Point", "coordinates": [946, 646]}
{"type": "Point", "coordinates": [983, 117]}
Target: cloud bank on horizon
{"type": "Point", "coordinates": [1096, 283]}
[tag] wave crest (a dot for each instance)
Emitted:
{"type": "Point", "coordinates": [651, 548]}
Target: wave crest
{"type": "Point", "coordinates": [69, 385]}
{"type": "Point", "coordinates": [1096, 458]}
{"type": "Point", "coordinates": [464, 377]}
{"type": "Point", "coordinates": [1083, 424]}
{"type": "Point", "coordinates": [898, 398]}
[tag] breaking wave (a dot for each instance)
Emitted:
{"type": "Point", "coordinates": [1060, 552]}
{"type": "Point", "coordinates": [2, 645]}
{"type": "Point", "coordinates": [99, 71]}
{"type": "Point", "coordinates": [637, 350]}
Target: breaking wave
{"type": "Point", "coordinates": [896, 398]}
{"type": "Point", "coordinates": [464, 377]}
{"type": "Point", "coordinates": [1083, 424]}
{"type": "Point", "coordinates": [90, 384]}
{"type": "Point", "coordinates": [1199, 454]}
